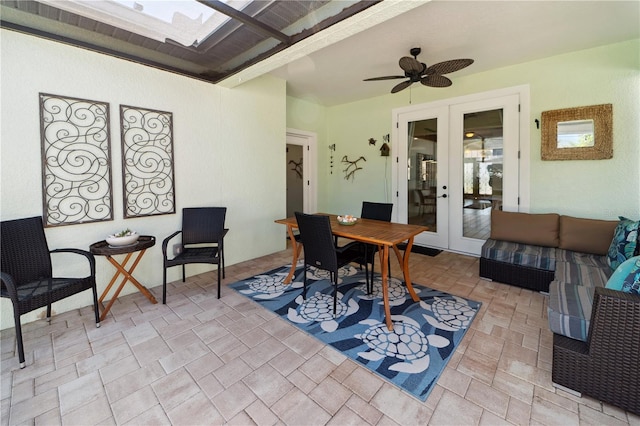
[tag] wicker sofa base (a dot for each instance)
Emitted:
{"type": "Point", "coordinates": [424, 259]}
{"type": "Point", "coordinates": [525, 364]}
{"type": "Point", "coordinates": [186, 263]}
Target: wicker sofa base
{"type": "Point", "coordinates": [606, 366]}
{"type": "Point", "coordinates": [521, 276]}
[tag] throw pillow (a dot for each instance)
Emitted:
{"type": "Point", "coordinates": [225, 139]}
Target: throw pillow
{"type": "Point", "coordinates": [631, 282]}
{"type": "Point", "coordinates": [622, 272]}
{"type": "Point", "coordinates": [625, 240]}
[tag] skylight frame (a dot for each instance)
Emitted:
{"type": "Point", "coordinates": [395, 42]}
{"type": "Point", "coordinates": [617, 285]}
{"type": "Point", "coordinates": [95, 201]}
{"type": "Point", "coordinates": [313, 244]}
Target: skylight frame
{"type": "Point", "coordinates": [130, 15]}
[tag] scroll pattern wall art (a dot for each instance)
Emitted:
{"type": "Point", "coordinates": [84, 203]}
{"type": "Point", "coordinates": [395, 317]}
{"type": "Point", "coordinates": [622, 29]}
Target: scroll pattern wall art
{"type": "Point", "coordinates": [76, 169]}
{"type": "Point", "coordinates": [147, 162]}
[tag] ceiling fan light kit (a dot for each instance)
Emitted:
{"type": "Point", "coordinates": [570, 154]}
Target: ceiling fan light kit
{"type": "Point", "coordinates": [417, 71]}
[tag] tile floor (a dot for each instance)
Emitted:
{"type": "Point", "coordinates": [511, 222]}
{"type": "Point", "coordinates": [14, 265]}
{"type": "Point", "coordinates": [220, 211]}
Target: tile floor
{"type": "Point", "coordinates": [199, 360]}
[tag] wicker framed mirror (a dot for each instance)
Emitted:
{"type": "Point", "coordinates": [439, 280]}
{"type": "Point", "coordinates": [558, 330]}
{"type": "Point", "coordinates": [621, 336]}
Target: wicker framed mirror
{"type": "Point", "coordinates": [582, 133]}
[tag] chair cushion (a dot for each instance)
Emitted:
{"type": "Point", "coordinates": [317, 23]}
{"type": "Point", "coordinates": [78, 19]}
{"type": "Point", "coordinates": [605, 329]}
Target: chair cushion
{"type": "Point", "coordinates": [631, 283]}
{"type": "Point", "coordinates": [526, 228]}
{"type": "Point", "coordinates": [520, 254]}
{"type": "Point", "coordinates": [625, 240]}
{"type": "Point", "coordinates": [569, 310]}
{"type": "Point", "coordinates": [617, 279]}
{"type": "Point", "coordinates": [586, 235]}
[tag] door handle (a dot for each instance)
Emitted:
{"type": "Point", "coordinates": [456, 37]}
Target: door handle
{"type": "Point", "coordinates": [443, 196]}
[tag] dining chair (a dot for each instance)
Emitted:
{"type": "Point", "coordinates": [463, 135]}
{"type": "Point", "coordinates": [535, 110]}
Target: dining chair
{"type": "Point", "coordinates": [320, 251]}
{"type": "Point", "coordinates": [203, 235]}
{"type": "Point", "coordinates": [374, 211]}
{"type": "Point", "coordinates": [424, 201]}
{"type": "Point", "coordinates": [26, 272]}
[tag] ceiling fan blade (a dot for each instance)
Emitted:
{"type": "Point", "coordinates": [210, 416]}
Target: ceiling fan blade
{"type": "Point", "coordinates": [435, 81]}
{"type": "Point", "coordinates": [449, 66]}
{"type": "Point", "coordinates": [388, 77]}
{"type": "Point", "coordinates": [410, 65]}
{"type": "Point", "coordinates": [401, 86]}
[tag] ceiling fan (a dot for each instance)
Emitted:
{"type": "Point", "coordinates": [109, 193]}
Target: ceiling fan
{"type": "Point", "coordinates": [417, 71]}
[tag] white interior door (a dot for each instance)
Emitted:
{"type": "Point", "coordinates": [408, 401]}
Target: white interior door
{"type": "Point", "coordinates": [483, 168]}
{"type": "Point", "coordinates": [423, 173]}
{"type": "Point", "coordinates": [307, 141]}
{"type": "Point", "coordinates": [456, 161]}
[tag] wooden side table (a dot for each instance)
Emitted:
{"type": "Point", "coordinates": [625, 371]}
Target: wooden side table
{"type": "Point", "coordinates": [101, 248]}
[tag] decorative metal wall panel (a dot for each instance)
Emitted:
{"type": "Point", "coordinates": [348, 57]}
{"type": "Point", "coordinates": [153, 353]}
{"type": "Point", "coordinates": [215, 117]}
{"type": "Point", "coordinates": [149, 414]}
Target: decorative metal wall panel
{"type": "Point", "coordinates": [76, 169]}
{"type": "Point", "coordinates": [147, 162]}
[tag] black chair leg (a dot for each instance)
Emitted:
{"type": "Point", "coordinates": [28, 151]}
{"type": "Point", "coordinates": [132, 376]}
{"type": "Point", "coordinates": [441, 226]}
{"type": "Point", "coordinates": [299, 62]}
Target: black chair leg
{"type": "Point", "coordinates": [16, 318]}
{"type": "Point", "coordinates": [49, 312]}
{"type": "Point", "coordinates": [334, 277]}
{"type": "Point", "coordinates": [304, 288]}
{"type": "Point", "coordinates": [222, 259]}
{"type": "Point", "coordinates": [183, 273]}
{"type": "Point", "coordinates": [218, 281]}
{"type": "Point", "coordinates": [95, 306]}
{"type": "Point", "coordinates": [373, 267]}
{"type": "Point", "coordinates": [164, 286]}
{"type": "Point", "coordinates": [366, 274]}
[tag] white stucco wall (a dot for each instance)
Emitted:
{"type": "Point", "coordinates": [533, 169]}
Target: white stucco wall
{"type": "Point", "coordinates": [228, 143]}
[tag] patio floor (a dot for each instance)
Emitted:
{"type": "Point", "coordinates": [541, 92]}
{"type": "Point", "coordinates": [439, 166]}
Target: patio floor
{"type": "Point", "coordinates": [200, 360]}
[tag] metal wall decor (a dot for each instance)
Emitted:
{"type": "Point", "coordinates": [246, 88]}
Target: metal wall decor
{"type": "Point", "coordinates": [76, 167]}
{"type": "Point", "coordinates": [352, 167]}
{"type": "Point", "coordinates": [147, 162]}
{"type": "Point", "coordinates": [332, 148]}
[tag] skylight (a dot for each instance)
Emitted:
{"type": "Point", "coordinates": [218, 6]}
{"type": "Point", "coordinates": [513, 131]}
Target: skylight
{"type": "Point", "coordinates": [187, 22]}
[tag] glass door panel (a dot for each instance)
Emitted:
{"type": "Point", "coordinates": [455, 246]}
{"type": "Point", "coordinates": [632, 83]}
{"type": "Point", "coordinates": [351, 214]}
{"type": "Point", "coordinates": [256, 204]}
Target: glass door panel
{"type": "Point", "coordinates": [483, 148]}
{"type": "Point", "coordinates": [482, 171]}
{"type": "Point", "coordinates": [422, 167]}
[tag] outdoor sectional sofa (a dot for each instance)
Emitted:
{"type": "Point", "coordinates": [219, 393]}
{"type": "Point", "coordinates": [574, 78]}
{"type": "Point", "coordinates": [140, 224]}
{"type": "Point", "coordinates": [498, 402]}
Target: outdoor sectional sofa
{"type": "Point", "coordinates": [596, 341]}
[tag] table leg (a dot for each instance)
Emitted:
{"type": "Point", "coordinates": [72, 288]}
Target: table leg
{"type": "Point", "coordinates": [405, 268]}
{"type": "Point", "coordinates": [127, 277]}
{"type": "Point", "coordinates": [114, 278]}
{"type": "Point", "coordinates": [384, 266]}
{"type": "Point", "coordinates": [297, 248]}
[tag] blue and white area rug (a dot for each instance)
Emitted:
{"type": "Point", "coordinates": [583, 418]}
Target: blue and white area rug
{"type": "Point", "coordinates": [412, 357]}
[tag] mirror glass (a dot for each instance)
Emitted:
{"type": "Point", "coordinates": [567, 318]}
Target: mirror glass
{"type": "Point", "coordinates": [576, 134]}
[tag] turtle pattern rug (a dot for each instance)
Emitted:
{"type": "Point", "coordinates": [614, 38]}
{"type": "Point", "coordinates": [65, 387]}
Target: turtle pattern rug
{"type": "Point", "coordinates": [412, 357]}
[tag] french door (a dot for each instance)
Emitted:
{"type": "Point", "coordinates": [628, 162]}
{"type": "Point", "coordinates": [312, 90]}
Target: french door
{"type": "Point", "coordinates": [457, 161]}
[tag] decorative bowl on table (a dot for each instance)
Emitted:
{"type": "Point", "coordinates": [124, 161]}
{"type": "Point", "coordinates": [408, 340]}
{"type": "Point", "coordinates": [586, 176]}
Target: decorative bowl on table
{"type": "Point", "coordinates": [124, 238]}
{"type": "Point", "coordinates": [347, 220]}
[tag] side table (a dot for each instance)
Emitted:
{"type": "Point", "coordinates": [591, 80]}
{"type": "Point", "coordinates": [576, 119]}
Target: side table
{"type": "Point", "coordinates": [101, 248]}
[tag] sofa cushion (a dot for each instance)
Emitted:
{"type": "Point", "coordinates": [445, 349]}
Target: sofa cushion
{"type": "Point", "coordinates": [525, 228]}
{"type": "Point", "coordinates": [617, 279]}
{"type": "Point", "coordinates": [586, 235]}
{"type": "Point", "coordinates": [520, 254]}
{"type": "Point", "coordinates": [581, 274]}
{"type": "Point", "coordinates": [631, 283]}
{"type": "Point", "coordinates": [569, 309]}
{"type": "Point", "coordinates": [625, 240]}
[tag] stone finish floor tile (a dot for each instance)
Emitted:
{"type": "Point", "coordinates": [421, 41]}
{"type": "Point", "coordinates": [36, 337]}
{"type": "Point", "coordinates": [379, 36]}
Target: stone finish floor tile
{"type": "Point", "coordinates": [203, 360]}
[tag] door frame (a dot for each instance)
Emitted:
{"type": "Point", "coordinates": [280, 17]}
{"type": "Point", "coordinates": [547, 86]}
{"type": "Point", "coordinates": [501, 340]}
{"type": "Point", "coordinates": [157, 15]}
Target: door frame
{"type": "Point", "coordinates": [309, 143]}
{"type": "Point", "coordinates": [524, 131]}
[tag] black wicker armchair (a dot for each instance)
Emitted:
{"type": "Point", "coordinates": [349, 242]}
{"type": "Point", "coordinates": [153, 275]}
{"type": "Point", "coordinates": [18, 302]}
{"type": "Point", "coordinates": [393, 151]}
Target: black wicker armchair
{"type": "Point", "coordinates": [203, 235]}
{"type": "Point", "coordinates": [26, 272]}
{"type": "Point", "coordinates": [607, 365]}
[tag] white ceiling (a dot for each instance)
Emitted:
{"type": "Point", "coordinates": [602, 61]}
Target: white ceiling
{"type": "Point", "coordinates": [493, 33]}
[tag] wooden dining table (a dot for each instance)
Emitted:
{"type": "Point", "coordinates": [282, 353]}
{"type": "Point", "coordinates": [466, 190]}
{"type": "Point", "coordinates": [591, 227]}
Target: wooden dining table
{"type": "Point", "coordinates": [385, 235]}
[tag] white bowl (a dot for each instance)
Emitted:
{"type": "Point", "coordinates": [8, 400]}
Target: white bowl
{"type": "Point", "coordinates": [112, 240]}
{"type": "Point", "coordinates": [347, 220]}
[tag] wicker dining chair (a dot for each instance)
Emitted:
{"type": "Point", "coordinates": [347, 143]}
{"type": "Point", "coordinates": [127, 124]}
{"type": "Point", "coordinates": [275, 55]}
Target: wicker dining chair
{"type": "Point", "coordinates": [27, 273]}
{"type": "Point", "coordinates": [320, 250]}
{"type": "Point", "coordinates": [375, 211]}
{"type": "Point", "coordinates": [203, 235]}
